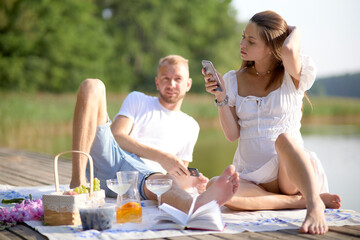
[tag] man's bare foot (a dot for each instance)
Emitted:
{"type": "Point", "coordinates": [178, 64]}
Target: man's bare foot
{"type": "Point", "coordinates": [331, 200]}
{"type": "Point", "coordinates": [315, 222]}
{"type": "Point", "coordinates": [222, 190]}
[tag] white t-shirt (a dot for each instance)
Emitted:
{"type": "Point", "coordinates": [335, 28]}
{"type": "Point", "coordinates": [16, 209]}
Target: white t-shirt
{"type": "Point", "coordinates": [155, 126]}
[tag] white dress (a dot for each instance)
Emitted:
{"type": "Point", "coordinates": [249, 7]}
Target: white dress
{"type": "Point", "coordinates": [263, 119]}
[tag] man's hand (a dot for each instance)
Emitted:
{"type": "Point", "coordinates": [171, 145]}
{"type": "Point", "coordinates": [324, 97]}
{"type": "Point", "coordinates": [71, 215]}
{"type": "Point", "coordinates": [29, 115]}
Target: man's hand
{"type": "Point", "coordinates": [174, 166]}
{"type": "Point", "coordinates": [121, 129]}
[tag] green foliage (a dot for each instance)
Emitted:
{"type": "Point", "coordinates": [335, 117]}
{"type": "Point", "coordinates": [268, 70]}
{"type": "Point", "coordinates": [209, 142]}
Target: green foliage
{"type": "Point", "coordinates": [145, 31]}
{"type": "Point", "coordinates": [326, 106]}
{"type": "Point", "coordinates": [43, 122]}
{"type": "Point", "coordinates": [346, 85]}
{"type": "Point", "coordinates": [53, 45]}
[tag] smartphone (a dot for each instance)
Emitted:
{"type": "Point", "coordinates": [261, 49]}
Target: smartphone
{"type": "Point", "coordinates": [194, 172]}
{"type": "Point", "coordinates": [209, 69]}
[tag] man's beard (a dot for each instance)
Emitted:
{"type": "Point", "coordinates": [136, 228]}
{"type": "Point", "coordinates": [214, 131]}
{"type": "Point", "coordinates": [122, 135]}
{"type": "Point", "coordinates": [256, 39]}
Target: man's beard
{"type": "Point", "coordinates": [172, 99]}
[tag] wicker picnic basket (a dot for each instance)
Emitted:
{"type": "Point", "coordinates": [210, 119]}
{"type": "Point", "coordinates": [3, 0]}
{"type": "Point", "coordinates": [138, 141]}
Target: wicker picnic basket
{"type": "Point", "coordinates": [62, 209]}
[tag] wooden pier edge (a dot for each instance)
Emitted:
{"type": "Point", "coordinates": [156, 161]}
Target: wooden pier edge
{"type": "Point", "coordinates": [14, 170]}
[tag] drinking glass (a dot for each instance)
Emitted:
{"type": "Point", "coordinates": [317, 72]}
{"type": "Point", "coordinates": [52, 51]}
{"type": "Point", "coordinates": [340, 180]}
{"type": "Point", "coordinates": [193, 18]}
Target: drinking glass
{"type": "Point", "coordinates": [117, 188]}
{"type": "Point", "coordinates": [158, 187]}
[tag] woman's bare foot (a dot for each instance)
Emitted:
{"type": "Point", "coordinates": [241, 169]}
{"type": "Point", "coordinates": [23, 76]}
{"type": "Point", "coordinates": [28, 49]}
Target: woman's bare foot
{"type": "Point", "coordinates": [187, 182]}
{"type": "Point", "coordinates": [315, 222]}
{"type": "Point", "coordinates": [222, 190]}
{"type": "Point", "coordinates": [200, 183]}
{"type": "Point", "coordinates": [331, 200]}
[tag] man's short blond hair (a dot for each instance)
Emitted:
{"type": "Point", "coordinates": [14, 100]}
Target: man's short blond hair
{"type": "Point", "coordinates": [173, 59]}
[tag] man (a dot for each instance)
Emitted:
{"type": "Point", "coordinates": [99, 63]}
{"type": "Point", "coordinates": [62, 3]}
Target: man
{"type": "Point", "coordinates": [145, 128]}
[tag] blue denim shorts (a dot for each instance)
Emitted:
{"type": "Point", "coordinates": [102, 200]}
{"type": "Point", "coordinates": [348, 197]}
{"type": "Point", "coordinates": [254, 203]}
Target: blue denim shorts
{"type": "Point", "coordinates": [109, 158]}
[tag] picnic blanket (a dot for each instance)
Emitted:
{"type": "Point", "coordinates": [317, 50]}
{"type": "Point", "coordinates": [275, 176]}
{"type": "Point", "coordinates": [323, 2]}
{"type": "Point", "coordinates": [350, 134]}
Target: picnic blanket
{"type": "Point", "coordinates": [236, 221]}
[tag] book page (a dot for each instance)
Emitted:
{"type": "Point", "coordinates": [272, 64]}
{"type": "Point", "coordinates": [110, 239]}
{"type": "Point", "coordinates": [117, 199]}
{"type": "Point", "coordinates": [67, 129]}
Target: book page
{"type": "Point", "coordinates": [207, 217]}
{"type": "Point", "coordinates": [191, 210]}
{"type": "Point", "coordinates": [209, 207]}
{"type": "Point", "coordinates": [172, 214]}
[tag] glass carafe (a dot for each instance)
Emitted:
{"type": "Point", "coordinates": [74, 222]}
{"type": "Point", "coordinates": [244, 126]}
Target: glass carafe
{"type": "Point", "coordinates": [128, 204]}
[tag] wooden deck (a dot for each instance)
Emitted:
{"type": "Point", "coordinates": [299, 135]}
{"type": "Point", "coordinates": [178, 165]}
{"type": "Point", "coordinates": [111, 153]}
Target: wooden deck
{"type": "Point", "coordinates": [22, 168]}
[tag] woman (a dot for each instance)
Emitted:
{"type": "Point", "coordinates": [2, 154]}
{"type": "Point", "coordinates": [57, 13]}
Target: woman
{"type": "Point", "coordinates": [260, 105]}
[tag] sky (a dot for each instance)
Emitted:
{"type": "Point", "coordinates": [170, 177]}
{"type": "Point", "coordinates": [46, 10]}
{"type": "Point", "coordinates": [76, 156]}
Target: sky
{"type": "Point", "coordinates": [330, 29]}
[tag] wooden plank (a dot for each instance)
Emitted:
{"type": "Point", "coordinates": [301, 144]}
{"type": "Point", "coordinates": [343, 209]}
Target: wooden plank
{"type": "Point", "coordinates": [19, 165]}
{"type": "Point", "coordinates": [18, 156]}
{"type": "Point", "coordinates": [346, 231]}
{"type": "Point", "coordinates": [23, 172]}
{"type": "Point", "coordinates": [33, 155]}
{"type": "Point", "coordinates": [177, 238]}
{"type": "Point", "coordinates": [207, 237]}
{"type": "Point", "coordinates": [243, 235]}
{"type": "Point", "coordinates": [354, 227]}
{"type": "Point", "coordinates": [329, 235]}
{"type": "Point", "coordinates": [15, 165]}
{"type": "Point", "coordinates": [19, 180]}
{"type": "Point", "coordinates": [23, 162]}
{"type": "Point", "coordinates": [7, 235]}
{"type": "Point", "coordinates": [39, 159]}
{"type": "Point", "coordinates": [26, 161]}
{"type": "Point", "coordinates": [27, 232]}
{"type": "Point", "coordinates": [294, 234]}
{"type": "Point", "coordinates": [282, 234]}
{"type": "Point", "coordinates": [225, 236]}
{"type": "Point", "coordinates": [28, 172]}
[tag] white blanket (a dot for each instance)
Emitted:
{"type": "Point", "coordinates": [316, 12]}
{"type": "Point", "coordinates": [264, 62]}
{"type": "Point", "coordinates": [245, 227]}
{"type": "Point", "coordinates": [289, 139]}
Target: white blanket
{"type": "Point", "coordinates": [236, 222]}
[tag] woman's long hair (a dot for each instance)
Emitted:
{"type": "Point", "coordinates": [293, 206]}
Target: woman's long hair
{"type": "Point", "coordinates": [273, 31]}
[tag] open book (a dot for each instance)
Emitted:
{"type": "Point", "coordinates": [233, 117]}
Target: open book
{"type": "Point", "coordinates": [207, 217]}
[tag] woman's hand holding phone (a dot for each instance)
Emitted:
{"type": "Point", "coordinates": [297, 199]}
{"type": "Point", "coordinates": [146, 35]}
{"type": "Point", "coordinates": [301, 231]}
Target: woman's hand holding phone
{"type": "Point", "coordinates": [213, 80]}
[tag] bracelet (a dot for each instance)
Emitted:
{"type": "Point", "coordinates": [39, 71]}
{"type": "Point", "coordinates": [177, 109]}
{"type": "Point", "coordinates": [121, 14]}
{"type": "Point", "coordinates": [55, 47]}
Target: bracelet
{"type": "Point", "coordinates": [223, 103]}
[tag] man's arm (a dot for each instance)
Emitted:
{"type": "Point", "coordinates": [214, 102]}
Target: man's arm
{"type": "Point", "coordinates": [121, 128]}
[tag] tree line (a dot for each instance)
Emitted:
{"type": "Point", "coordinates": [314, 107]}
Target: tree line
{"type": "Point", "coordinates": [52, 46]}
{"type": "Point", "coordinates": [346, 85]}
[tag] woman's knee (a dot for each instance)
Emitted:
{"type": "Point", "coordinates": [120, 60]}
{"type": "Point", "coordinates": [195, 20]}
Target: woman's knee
{"type": "Point", "coordinates": [284, 141]}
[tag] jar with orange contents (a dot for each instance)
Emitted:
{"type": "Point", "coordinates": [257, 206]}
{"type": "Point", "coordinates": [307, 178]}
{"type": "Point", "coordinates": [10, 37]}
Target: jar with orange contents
{"type": "Point", "coordinates": [129, 212]}
{"type": "Point", "coordinates": [129, 205]}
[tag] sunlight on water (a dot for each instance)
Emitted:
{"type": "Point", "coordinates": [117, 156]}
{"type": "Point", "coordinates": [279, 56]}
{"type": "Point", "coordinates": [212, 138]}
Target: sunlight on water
{"type": "Point", "coordinates": [337, 146]}
{"type": "Point", "coordinates": [340, 155]}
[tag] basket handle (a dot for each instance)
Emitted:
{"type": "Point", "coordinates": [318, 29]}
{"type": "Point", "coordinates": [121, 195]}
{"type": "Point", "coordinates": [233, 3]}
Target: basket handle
{"type": "Point", "coordinates": [91, 170]}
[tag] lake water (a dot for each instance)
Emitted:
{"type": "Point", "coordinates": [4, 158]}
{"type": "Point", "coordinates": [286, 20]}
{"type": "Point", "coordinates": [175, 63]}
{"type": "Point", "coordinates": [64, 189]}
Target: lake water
{"type": "Point", "coordinates": [340, 155]}
{"type": "Point", "coordinates": [337, 146]}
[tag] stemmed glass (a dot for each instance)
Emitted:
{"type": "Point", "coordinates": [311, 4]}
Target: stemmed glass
{"type": "Point", "coordinates": [158, 187]}
{"type": "Point", "coordinates": [117, 188]}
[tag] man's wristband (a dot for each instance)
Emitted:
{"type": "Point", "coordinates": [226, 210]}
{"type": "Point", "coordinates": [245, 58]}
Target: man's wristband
{"type": "Point", "coordinates": [223, 102]}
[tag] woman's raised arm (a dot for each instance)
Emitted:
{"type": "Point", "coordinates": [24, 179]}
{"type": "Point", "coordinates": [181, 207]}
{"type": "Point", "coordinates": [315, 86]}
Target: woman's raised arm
{"type": "Point", "coordinates": [290, 54]}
